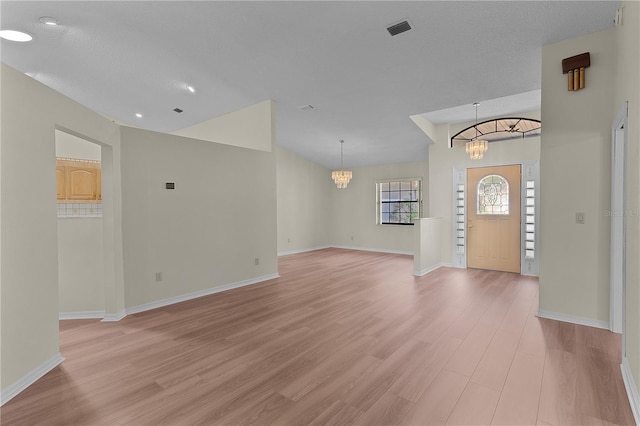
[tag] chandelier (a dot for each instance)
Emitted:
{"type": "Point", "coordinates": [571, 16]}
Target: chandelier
{"type": "Point", "coordinates": [475, 147]}
{"type": "Point", "coordinates": [341, 177]}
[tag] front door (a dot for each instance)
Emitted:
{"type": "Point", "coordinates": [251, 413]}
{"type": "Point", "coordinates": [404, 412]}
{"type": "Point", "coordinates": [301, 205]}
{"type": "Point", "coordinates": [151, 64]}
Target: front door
{"type": "Point", "coordinates": [493, 218]}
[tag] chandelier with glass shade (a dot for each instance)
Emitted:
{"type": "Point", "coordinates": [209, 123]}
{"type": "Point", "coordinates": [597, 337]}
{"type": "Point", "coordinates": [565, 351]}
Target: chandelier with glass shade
{"type": "Point", "coordinates": [341, 177]}
{"type": "Point", "coordinates": [476, 147]}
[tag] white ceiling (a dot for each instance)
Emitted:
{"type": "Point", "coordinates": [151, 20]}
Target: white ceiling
{"type": "Point", "coordinates": [119, 58]}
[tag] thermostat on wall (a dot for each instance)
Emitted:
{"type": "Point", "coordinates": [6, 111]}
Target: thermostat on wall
{"type": "Point", "coordinates": [170, 185]}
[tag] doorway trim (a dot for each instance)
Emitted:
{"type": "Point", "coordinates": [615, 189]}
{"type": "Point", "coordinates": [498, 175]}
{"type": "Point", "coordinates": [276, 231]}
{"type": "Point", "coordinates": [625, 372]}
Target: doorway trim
{"type": "Point", "coordinates": [618, 223]}
{"type": "Point", "coordinates": [530, 172]}
{"type": "Point", "coordinates": [111, 228]}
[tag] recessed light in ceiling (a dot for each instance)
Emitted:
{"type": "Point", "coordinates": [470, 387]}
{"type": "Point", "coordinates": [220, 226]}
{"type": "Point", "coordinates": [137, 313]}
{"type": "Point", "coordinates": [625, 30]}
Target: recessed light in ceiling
{"type": "Point", "coordinates": [191, 88]}
{"type": "Point", "coordinates": [48, 20]}
{"type": "Point", "coordinates": [138, 115]}
{"type": "Point", "coordinates": [13, 35]}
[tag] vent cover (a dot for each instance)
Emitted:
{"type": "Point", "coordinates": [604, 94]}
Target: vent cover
{"type": "Point", "coordinates": [308, 107]}
{"type": "Point", "coordinates": [178, 110]}
{"type": "Point", "coordinates": [399, 28]}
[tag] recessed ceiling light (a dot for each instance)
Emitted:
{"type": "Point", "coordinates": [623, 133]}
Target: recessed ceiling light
{"type": "Point", "coordinates": [14, 35]}
{"type": "Point", "coordinates": [138, 115]}
{"type": "Point", "coordinates": [191, 88]}
{"type": "Point", "coordinates": [48, 20]}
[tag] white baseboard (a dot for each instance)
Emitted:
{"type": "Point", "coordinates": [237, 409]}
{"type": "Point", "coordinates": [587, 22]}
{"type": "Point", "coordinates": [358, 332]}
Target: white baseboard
{"type": "Point", "coordinates": [286, 253]}
{"type": "Point", "coordinates": [81, 315]}
{"type": "Point", "coordinates": [427, 270]}
{"type": "Point", "coordinates": [408, 253]}
{"type": "Point", "coordinates": [114, 317]}
{"type": "Point", "coordinates": [28, 379]}
{"type": "Point", "coordinates": [196, 294]}
{"type": "Point", "coordinates": [632, 390]}
{"type": "Point", "coordinates": [573, 319]}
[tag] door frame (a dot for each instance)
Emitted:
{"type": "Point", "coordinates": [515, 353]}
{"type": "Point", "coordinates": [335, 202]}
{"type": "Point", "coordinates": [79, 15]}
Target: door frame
{"type": "Point", "coordinates": [530, 171]}
{"type": "Point", "coordinates": [111, 228]}
{"type": "Point", "coordinates": [618, 223]}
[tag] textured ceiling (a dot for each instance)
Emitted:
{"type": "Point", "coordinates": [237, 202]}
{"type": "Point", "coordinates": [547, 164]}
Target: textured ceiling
{"type": "Point", "coordinates": [120, 58]}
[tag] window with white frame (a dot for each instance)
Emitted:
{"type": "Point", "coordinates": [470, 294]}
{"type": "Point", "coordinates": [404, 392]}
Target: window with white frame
{"type": "Point", "coordinates": [399, 201]}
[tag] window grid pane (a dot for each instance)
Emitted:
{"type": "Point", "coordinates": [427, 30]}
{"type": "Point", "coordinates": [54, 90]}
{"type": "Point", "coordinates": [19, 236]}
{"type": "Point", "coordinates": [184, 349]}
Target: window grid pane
{"type": "Point", "coordinates": [530, 218]}
{"type": "Point", "coordinates": [460, 239]}
{"type": "Point", "coordinates": [399, 202]}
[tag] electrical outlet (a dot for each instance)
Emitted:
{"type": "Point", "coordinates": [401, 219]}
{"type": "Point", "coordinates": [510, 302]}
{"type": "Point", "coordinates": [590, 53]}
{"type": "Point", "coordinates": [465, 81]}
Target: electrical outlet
{"type": "Point", "coordinates": [256, 261]}
{"type": "Point", "coordinates": [288, 240]}
{"type": "Point", "coordinates": [580, 218]}
{"type": "Point", "coordinates": [158, 277]}
{"type": "Point", "coordinates": [352, 238]}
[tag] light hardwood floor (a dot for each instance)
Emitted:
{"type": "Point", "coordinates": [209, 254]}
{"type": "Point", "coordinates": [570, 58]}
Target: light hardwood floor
{"type": "Point", "coordinates": [343, 337]}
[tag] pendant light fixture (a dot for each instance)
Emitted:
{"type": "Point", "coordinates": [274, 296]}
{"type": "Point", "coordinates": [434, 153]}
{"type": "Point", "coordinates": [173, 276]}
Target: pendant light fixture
{"type": "Point", "coordinates": [475, 147]}
{"type": "Point", "coordinates": [341, 177]}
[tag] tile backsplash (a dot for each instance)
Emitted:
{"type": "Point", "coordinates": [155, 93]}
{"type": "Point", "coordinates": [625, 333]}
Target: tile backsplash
{"type": "Point", "coordinates": [66, 210]}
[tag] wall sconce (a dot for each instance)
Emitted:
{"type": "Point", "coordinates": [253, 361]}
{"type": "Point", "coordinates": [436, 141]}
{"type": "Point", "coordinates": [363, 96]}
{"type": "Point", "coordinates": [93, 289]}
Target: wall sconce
{"type": "Point", "coordinates": [575, 66]}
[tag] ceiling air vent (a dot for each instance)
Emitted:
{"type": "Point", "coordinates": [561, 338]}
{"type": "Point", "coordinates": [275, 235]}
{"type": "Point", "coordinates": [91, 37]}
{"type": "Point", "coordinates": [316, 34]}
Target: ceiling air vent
{"type": "Point", "coordinates": [178, 110]}
{"type": "Point", "coordinates": [399, 28]}
{"type": "Point", "coordinates": [308, 107]}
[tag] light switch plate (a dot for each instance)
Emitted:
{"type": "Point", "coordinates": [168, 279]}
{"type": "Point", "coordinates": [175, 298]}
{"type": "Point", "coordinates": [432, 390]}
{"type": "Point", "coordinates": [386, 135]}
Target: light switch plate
{"type": "Point", "coordinates": [580, 218]}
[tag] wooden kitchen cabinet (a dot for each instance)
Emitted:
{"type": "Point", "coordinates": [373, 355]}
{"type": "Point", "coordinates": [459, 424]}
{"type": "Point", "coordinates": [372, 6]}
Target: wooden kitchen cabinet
{"type": "Point", "coordinates": [78, 181]}
{"type": "Point", "coordinates": [61, 183]}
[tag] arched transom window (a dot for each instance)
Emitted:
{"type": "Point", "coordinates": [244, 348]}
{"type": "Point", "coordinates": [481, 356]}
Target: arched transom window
{"type": "Point", "coordinates": [493, 195]}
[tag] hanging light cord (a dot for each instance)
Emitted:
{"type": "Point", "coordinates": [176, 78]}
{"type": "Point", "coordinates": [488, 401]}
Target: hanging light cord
{"type": "Point", "coordinates": [476, 126]}
{"type": "Point", "coordinates": [342, 154]}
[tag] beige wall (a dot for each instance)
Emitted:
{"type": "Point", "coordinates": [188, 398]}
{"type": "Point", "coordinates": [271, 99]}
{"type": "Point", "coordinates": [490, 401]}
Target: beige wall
{"type": "Point", "coordinates": [627, 88]}
{"type": "Point", "coordinates": [80, 265]}
{"type": "Point", "coordinates": [80, 244]}
{"type": "Point", "coordinates": [353, 213]}
{"type": "Point", "coordinates": [426, 249]}
{"type": "Point", "coordinates": [70, 146]}
{"type": "Point", "coordinates": [575, 177]}
{"type": "Point", "coordinates": [250, 127]}
{"type": "Point", "coordinates": [304, 203]}
{"type": "Point", "coordinates": [313, 213]}
{"type": "Point", "coordinates": [442, 161]}
{"type": "Point", "coordinates": [29, 276]}
{"type": "Point", "coordinates": [205, 233]}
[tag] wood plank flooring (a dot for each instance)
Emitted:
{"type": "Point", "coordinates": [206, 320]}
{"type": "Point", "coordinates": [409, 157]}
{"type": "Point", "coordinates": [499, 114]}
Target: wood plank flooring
{"type": "Point", "coordinates": [342, 337]}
